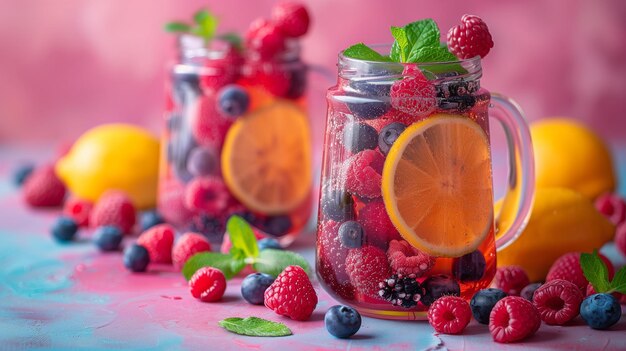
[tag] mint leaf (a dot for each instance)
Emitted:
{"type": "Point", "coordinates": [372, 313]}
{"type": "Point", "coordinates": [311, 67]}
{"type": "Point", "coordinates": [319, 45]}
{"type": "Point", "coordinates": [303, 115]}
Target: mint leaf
{"type": "Point", "coordinates": [206, 24]}
{"type": "Point", "coordinates": [254, 326]}
{"type": "Point", "coordinates": [595, 271]}
{"type": "Point", "coordinates": [224, 262]}
{"type": "Point", "coordinates": [273, 262]}
{"type": "Point", "coordinates": [619, 281]}
{"type": "Point", "coordinates": [242, 237]}
{"type": "Point", "coordinates": [177, 27]}
{"type": "Point", "coordinates": [412, 37]}
{"type": "Point", "coordinates": [363, 52]}
{"type": "Point", "coordinates": [431, 54]}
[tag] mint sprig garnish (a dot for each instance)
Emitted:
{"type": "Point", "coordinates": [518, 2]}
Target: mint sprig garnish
{"type": "Point", "coordinates": [205, 26]}
{"type": "Point", "coordinates": [254, 326]}
{"type": "Point", "coordinates": [363, 52]}
{"type": "Point", "coordinates": [597, 274]}
{"type": "Point", "coordinates": [245, 251]}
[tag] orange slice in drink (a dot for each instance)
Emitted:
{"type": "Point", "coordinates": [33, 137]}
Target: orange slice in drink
{"type": "Point", "coordinates": [436, 185]}
{"type": "Point", "coordinates": [266, 158]}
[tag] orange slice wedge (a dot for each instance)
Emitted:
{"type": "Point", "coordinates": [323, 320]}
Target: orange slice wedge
{"type": "Point", "coordinates": [266, 158]}
{"type": "Point", "coordinates": [436, 185]}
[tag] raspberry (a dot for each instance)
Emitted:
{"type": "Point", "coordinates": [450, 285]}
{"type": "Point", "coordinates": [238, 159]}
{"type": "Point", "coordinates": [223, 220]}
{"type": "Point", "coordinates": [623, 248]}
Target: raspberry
{"type": "Point", "coordinates": [399, 116]}
{"type": "Point", "coordinates": [222, 71]}
{"type": "Point", "coordinates": [171, 203]}
{"type": "Point", "coordinates": [613, 207]}
{"type": "Point", "coordinates": [557, 301]}
{"type": "Point", "coordinates": [363, 173]}
{"type": "Point", "coordinates": [188, 245]}
{"type": "Point", "coordinates": [265, 39]}
{"type": "Point", "coordinates": [43, 188]}
{"type": "Point", "coordinates": [292, 294]}
{"type": "Point", "coordinates": [207, 284]}
{"type": "Point", "coordinates": [449, 315]}
{"type": "Point", "coordinates": [512, 319]}
{"type": "Point", "coordinates": [331, 260]}
{"type": "Point", "coordinates": [405, 259]}
{"type": "Point", "coordinates": [273, 77]}
{"type": "Point", "coordinates": [377, 225]}
{"type": "Point", "coordinates": [620, 239]}
{"type": "Point", "coordinates": [291, 18]}
{"type": "Point", "coordinates": [78, 210]}
{"type": "Point", "coordinates": [207, 194]}
{"type": "Point", "coordinates": [366, 267]}
{"type": "Point", "coordinates": [114, 208]}
{"type": "Point", "coordinates": [413, 94]}
{"type": "Point", "coordinates": [511, 280]}
{"type": "Point", "coordinates": [469, 39]}
{"type": "Point", "coordinates": [158, 240]}
{"type": "Point", "coordinates": [567, 267]}
{"type": "Point", "coordinates": [208, 126]}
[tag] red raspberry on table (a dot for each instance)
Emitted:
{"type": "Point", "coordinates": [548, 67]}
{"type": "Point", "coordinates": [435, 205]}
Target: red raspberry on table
{"type": "Point", "coordinates": [363, 173]}
{"type": "Point", "coordinates": [207, 284]}
{"type": "Point", "coordinates": [292, 294]}
{"type": "Point", "coordinates": [469, 39]}
{"type": "Point", "coordinates": [449, 315]}
{"type": "Point", "coordinates": [558, 301]}
{"type": "Point", "coordinates": [367, 266]}
{"type": "Point", "coordinates": [405, 259]}
{"type": "Point", "coordinates": [171, 202]}
{"type": "Point", "coordinates": [43, 188]}
{"type": "Point", "coordinates": [158, 240]}
{"type": "Point", "coordinates": [291, 18]}
{"type": "Point", "coordinates": [208, 126]}
{"type": "Point", "coordinates": [114, 208]}
{"type": "Point", "coordinates": [512, 319]}
{"type": "Point", "coordinates": [511, 279]}
{"type": "Point", "coordinates": [331, 259]}
{"type": "Point", "coordinates": [620, 239]}
{"type": "Point", "coordinates": [613, 207]}
{"type": "Point", "coordinates": [414, 94]}
{"type": "Point", "coordinates": [186, 246]}
{"type": "Point", "coordinates": [377, 225]}
{"type": "Point", "coordinates": [79, 210]}
{"type": "Point", "coordinates": [207, 194]}
{"type": "Point", "coordinates": [265, 38]}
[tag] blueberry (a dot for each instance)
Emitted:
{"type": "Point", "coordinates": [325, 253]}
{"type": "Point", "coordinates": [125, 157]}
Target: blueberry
{"type": "Point", "coordinates": [202, 161]}
{"type": "Point", "coordinates": [368, 109]}
{"type": "Point", "coordinates": [107, 238]}
{"type": "Point", "coordinates": [388, 136]}
{"type": "Point", "coordinates": [351, 234]}
{"type": "Point", "coordinates": [372, 98]}
{"type": "Point", "coordinates": [269, 243]}
{"type": "Point", "coordinates": [21, 173]}
{"type": "Point", "coordinates": [277, 225]}
{"type": "Point", "coordinates": [136, 258]}
{"type": "Point", "coordinates": [342, 321]}
{"type": "Point", "coordinates": [179, 148]}
{"type": "Point", "coordinates": [233, 100]}
{"type": "Point", "coordinates": [338, 205]}
{"type": "Point", "coordinates": [149, 219]}
{"type": "Point", "coordinates": [437, 286]}
{"type": "Point", "coordinates": [253, 287]}
{"type": "Point", "coordinates": [600, 311]}
{"type": "Point", "coordinates": [359, 136]}
{"type": "Point", "coordinates": [469, 267]}
{"type": "Point", "coordinates": [64, 229]}
{"type": "Point", "coordinates": [174, 122]}
{"type": "Point", "coordinates": [297, 82]}
{"type": "Point", "coordinates": [483, 301]}
{"type": "Point", "coordinates": [529, 291]}
{"type": "Point", "coordinates": [184, 87]}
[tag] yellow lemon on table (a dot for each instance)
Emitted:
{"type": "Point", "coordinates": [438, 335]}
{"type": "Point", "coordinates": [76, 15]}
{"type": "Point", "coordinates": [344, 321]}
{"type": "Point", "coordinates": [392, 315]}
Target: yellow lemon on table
{"type": "Point", "coordinates": [562, 220]}
{"type": "Point", "coordinates": [113, 156]}
{"type": "Point", "coordinates": [570, 155]}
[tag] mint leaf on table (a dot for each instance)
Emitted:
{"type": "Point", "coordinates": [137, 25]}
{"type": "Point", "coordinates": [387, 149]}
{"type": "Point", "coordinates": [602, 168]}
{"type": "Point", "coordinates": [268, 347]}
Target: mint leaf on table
{"type": "Point", "coordinates": [412, 37]}
{"type": "Point", "coordinates": [619, 281]}
{"type": "Point", "coordinates": [254, 326]}
{"type": "Point", "coordinates": [224, 262]}
{"type": "Point", "coordinates": [595, 271]}
{"type": "Point", "coordinates": [363, 52]}
{"type": "Point", "coordinates": [242, 237]}
{"type": "Point", "coordinates": [177, 27]}
{"type": "Point", "coordinates": [273, 262]}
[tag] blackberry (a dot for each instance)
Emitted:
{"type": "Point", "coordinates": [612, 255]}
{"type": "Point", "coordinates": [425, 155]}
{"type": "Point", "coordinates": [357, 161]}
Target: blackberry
{"type": "Point", "coordinates": [401, 290]}
{"type": "Point", "coordinates": [457, 94]}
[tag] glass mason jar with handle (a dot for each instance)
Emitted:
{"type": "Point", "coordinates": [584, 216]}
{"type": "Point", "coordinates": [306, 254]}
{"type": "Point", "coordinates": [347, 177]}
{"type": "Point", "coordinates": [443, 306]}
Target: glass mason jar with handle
{"type": "Point", "coordinates": [406, 210]}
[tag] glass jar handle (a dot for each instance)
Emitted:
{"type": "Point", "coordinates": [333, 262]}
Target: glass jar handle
{"type": "Point", "coordinates": [518, 201]}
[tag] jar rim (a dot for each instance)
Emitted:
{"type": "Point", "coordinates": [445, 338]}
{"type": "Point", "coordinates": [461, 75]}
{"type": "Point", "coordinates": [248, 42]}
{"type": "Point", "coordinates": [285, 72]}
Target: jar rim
{"type": "Point", "coordinates": [471, 61]}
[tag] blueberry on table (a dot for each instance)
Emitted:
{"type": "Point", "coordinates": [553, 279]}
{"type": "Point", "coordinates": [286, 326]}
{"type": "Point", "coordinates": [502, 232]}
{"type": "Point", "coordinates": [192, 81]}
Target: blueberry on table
{"type": "Point", "coordinates": [64, 229]}
{"type": "Point", "coordinates": [388, 135]}
{"type": "Point", "coordinates": [342, 321]}
{"type": "Point", "coordinates": [253, 287]}
{"type": "Point", "coordinates": [529, 291]}
{"type": "Point", "coordinates": [149, 219]}
{"type": "Point", "coordinates": [233, 100]}
{"type": "Point", "coordinates": [269, 243]}
{"type": "Point", "coordinates": [351, 234]}
{"type": "Point", "coordinates": [21, 173]}
{"type": "Point", "coordinates": [108, 238]}
{"type": "Point", "coordinates": [483, 301]}
{"type": "Point", "coordinates": [469, 267]}
{"type": "Point", "coordinates": [359, 136]}
{"type": "Point", "coordinates": [136, 258]}
{"type": "Point", "coordinates": [600, 311]}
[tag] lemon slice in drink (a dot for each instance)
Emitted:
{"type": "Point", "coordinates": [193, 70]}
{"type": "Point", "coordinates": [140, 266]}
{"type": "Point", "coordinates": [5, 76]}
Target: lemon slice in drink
{"type": "Point", "coordinates": [436, 185]}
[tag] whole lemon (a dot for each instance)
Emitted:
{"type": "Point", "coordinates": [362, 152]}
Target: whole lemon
{"type": "Point", "coordinates": [113, 156]}
{"type": "Point", "coordinates": [570, 155]}
{"type": "Point", "coordinates": [562, 220]}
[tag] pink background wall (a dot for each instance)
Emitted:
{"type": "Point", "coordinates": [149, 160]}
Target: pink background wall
{"type": "Point", "coordinates": [68, 65]}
